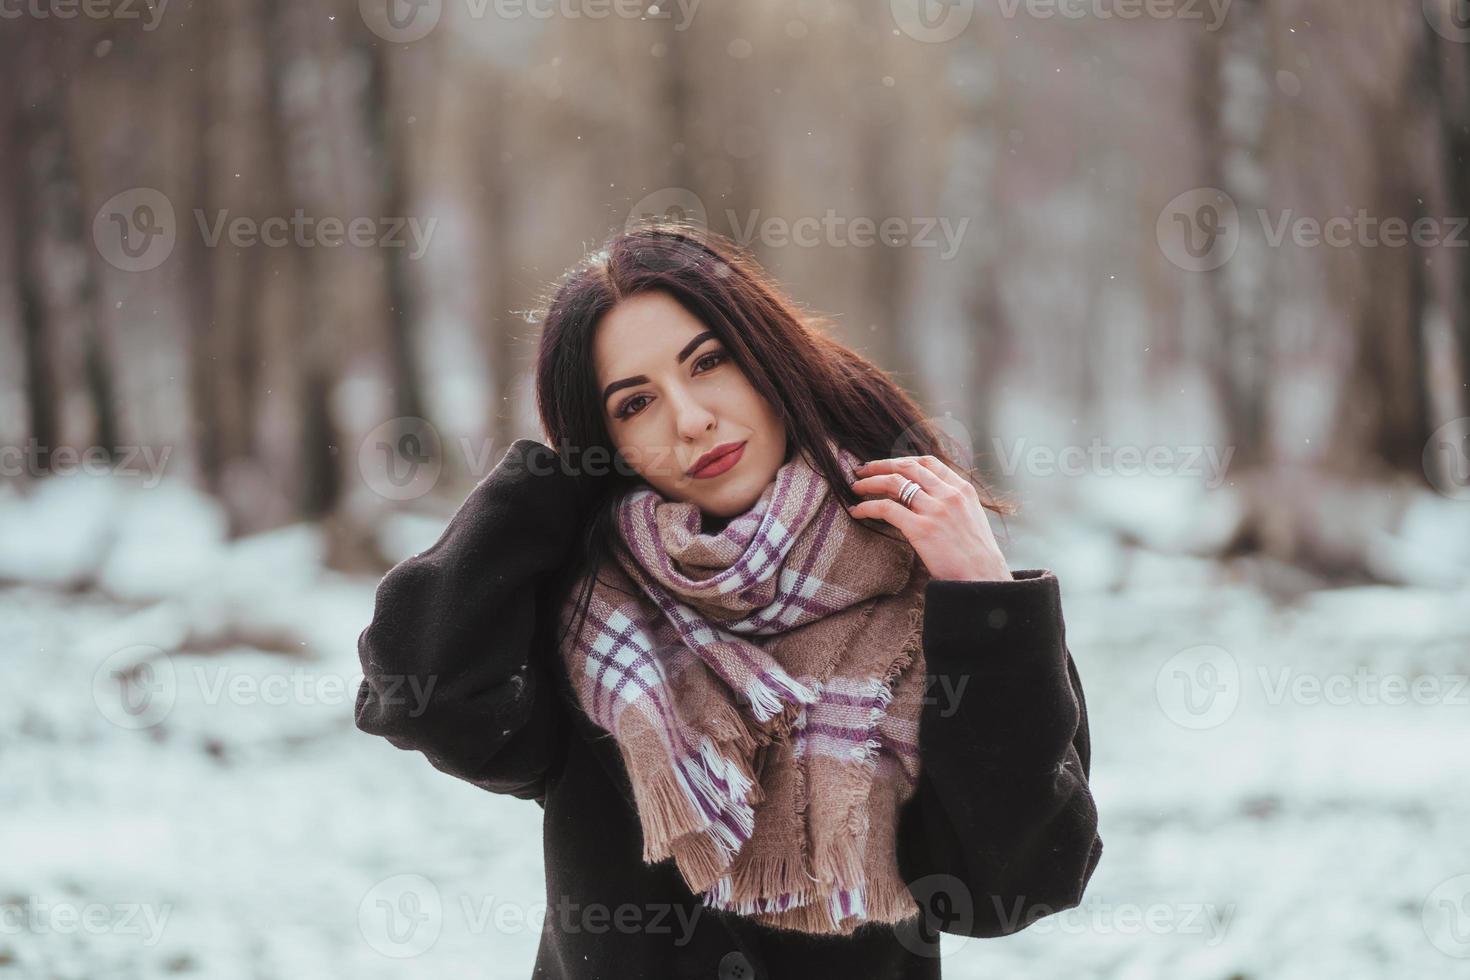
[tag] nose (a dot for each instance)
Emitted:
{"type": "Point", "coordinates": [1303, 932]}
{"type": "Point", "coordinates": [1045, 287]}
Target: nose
{"type": "Point", "coordinates": [691, 419]}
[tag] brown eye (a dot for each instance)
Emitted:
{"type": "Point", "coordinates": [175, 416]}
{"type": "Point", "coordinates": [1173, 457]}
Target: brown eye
{"type": "Point", "coordinates": [718, 355]}
{"type": "Point", "coordinates": [626, 408]}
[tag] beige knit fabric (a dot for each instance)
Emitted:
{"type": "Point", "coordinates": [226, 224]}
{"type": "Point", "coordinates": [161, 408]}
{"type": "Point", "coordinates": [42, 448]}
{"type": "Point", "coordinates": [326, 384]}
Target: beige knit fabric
{"type": "Point", "coordinates": [764, 686]}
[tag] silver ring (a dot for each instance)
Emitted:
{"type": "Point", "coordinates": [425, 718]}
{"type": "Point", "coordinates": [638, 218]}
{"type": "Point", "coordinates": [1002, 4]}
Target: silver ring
{"type": "Point", "coordinates": [910, 488]}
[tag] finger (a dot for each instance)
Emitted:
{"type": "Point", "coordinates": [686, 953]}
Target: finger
{"type": "Point", "coordinates": [944, 471]}
{"type": "Point", "coordinates": [888, 510]}
{"type": "Point", "coordinates": [890, 485]}
{"type": "Point", "coordinates": [908, 466]}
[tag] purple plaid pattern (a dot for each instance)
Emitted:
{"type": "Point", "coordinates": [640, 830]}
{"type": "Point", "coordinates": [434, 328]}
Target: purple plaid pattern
{"type": "Point", "coordinates": [658, 634]}
{"type": "Point", "coordinates": [758, 582]}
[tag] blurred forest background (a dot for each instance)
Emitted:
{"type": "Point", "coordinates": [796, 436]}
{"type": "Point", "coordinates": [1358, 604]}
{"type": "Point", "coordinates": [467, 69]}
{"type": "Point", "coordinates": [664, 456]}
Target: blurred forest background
{"type": "Point", "coordinates": [1047, 147]}
{"type": "Point", "coordinates": [259, 259]}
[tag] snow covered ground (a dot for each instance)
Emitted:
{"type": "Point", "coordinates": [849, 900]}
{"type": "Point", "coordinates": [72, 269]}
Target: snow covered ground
{"type": "Point", "coordinates": [1272, 804]}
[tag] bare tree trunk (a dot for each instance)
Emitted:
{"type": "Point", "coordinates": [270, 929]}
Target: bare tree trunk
{"type": "Point", "coordinates": [33, 90]}
{"type": "Point", "coordinates": [675, 80]}
{"type": "Point", "coordinates": [390, 147]}
{"type": "Point", "coordinates": [887, 279]}
{"type": "Point", "coordinates": [209, 444]}
{"type": "Point", "coordinates": [1447, 67]}
{"type": "Point", "coordinates": [1232, 105]}
{"type": "Point", "coordinates": [970, 192]}
{"type": "Point", "coordinates": [494, 297]}
{"type": "Point", "coordinates": [84, 301]}
{"type": "Point", "coordinates": [293, 47]}
{"type": "Point", "coordinates": [1385, 407]}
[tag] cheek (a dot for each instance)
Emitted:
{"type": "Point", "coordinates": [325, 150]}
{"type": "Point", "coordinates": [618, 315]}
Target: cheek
{"type": "Point", "coordinates": [646, 452]}
{"type": "Point", "coordinates": [755, 408]}
{"type": "Point", "coordinates": [743, 396]}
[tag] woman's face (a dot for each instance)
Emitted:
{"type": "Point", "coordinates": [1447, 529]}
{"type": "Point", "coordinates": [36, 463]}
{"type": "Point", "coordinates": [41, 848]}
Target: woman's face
{"type": "Point", "coordinates": [671, 393]}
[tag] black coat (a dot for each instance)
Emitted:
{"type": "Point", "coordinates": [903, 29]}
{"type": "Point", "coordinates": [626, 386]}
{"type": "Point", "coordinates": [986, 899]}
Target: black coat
{"type": "Point", "coordinates": [1002, 827]}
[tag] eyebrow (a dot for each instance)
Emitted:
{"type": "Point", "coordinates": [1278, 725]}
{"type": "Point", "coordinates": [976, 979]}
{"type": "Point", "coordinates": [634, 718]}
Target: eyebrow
{"type": "Point", "coordinates": [639, 379]}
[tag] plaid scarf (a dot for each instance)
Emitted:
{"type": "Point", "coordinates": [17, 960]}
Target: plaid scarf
{"type": "Point", "coordinates": [764, 685]}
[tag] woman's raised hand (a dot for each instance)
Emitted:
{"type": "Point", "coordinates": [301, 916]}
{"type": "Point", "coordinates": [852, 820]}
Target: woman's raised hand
{"type": "Point", "coordinates": [944, 521]}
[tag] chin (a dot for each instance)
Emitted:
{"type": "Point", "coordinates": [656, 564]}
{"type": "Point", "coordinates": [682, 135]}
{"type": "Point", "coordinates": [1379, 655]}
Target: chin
{"type": "Point", "coordinates": [739, 498]}
{"type": "Point", "coordinates": [739, 494]}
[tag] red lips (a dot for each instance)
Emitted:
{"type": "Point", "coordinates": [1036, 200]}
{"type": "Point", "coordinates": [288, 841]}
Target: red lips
{"type": "Point", "coordinates": [714, 457]}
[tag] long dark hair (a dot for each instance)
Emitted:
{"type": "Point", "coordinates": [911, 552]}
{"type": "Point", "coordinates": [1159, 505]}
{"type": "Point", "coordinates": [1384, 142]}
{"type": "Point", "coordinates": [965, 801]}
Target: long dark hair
{"type": "Point", "coordinates": [818, 387]}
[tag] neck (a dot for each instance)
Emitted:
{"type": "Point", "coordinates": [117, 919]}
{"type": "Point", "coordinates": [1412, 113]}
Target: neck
{"type": "Point", "coordinates": [710, 524]}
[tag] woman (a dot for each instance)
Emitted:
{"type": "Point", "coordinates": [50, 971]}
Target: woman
{"type": "Point", "coordinates": [750, 618]}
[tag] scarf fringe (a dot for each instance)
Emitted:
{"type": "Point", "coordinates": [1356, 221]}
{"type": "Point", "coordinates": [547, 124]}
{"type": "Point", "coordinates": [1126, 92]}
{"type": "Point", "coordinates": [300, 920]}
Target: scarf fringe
{"type": "Point", "coordinates": [700, 860]}
{"type": "Point", "coordinates": [773, 691]}
{"type": "Point", "coordinates": [839, 858]}
{"type": "Point", "coordinates": [912, 646]}
{"type": "Point", "coordinates": [678, 800]}
{"type": "Point", "coordinates": [884, 901]}
{"type": "Point", "coordinates": [698, 756]}
{"type": "Point", "coordinates": [820, 917]}
{"type": "Point", "coordinates": [664, 804]}
{"type": "Point", "coordinates": [765, 883]}
{"type": "Point", "coordinates": [773, 875]}
{"type": "Point", "coordinates": [781, 889]}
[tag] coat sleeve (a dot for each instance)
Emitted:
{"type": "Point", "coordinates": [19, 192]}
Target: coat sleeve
{"type": "Point", "coordinates": [1002, 827]}
{"type": "Point", "coordinates": [453, 661]}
